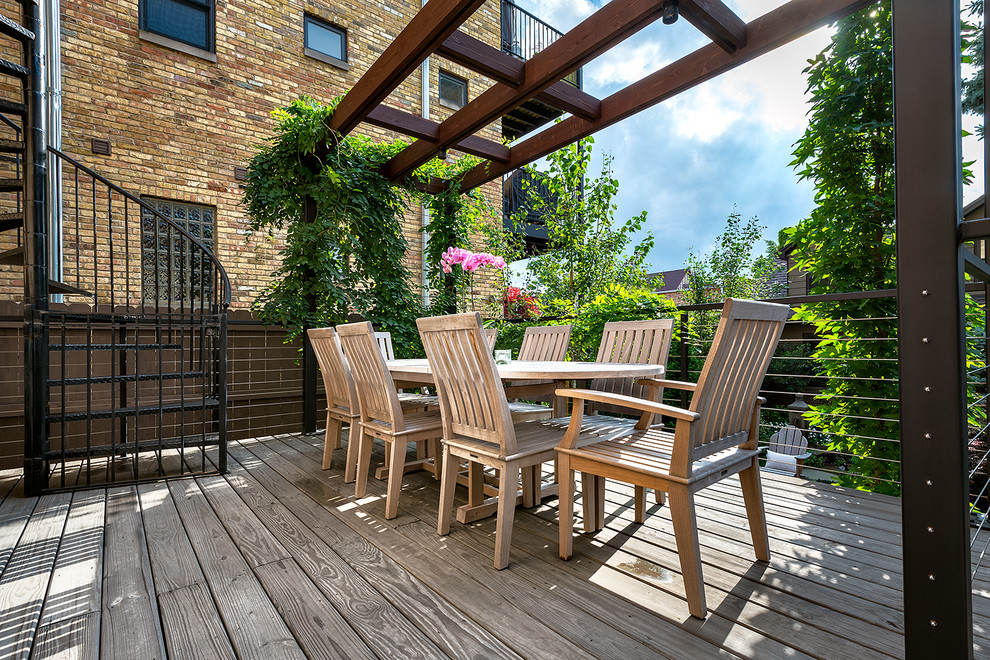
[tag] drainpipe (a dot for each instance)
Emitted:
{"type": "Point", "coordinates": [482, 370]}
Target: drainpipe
{"type": "Point", "coordinates": [424, 77]}
{"type": "Point", "coordinates": [52, 57]}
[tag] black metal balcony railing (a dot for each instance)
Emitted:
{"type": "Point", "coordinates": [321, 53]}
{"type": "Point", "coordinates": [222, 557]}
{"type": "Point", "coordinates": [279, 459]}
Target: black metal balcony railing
{"type": "Point", "coordinates": [524, 35]}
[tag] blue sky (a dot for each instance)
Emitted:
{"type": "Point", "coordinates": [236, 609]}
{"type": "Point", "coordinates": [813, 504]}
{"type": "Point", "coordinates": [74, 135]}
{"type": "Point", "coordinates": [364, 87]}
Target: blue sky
{"type": "Point", "coordinates": [723, 145]}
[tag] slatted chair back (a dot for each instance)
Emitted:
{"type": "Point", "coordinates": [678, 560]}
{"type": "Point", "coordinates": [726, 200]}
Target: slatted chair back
{"type": "Point", "coordinates": [491, 334]}
{"type": "Point", "coordinates": [472, 399]}
{"type": "Point", "coordinates": [337, 379]}
{"type": "Point", "coordinates": [726, 392]}
{"type": "Point", "coordinates": [546, 342]}
{"type": "Point", "coordinates": [384, 340]}
{"type": "Point", "coordinates": [631, 342]}
{"type": "Point", "coordinates": [375, 387]}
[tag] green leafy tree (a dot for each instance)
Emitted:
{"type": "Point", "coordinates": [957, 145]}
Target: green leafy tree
{"type": "Point", "coordinates": [972, 43]}
{"type": "Point", "coordinates": [847, 244]}
{"type": "Point", "coordinates": [588, 251]}
{"type": "Point", "coordinates": [731, 270]}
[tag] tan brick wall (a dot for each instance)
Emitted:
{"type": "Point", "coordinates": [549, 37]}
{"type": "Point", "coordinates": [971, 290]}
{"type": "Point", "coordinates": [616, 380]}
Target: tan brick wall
{"type": "Point", "coordinates": [179, 124]}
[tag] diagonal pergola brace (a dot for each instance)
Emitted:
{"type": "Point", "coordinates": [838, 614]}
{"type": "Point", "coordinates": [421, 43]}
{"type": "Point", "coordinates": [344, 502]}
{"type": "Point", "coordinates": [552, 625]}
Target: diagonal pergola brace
{"type": "Point", "coordinates": [716, 21]}
{"type": "Point", "coordinates": [601, 31]}
{"type": "Point", "coordinates": [774, 29]}
{"type": "Point", "coordinates": [426, 129]}
{"type": "Point", "coordinates": [482, 58]}
{"type": "Point", "coordinates": [436, 21]}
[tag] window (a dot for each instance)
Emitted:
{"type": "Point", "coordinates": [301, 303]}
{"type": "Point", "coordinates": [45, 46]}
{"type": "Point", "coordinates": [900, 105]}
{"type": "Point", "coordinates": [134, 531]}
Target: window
{"type": "Point", "coordinates": [188, 22]}
{"type": "Point", "coordinates": [453, 90]}
{"type": "Point", "coordinates": [172, 269]}
{"type": "Point", "coordinates": [325, 42]}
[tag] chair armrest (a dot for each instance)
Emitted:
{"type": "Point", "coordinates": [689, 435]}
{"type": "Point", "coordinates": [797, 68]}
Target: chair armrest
{"type": "Point", "coordinates": [673, 384]}
{"type": "Point", "coordinates": [629, 402]}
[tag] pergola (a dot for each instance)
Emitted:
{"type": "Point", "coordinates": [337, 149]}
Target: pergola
{"type": "Point", "coordinates": [930, 233]}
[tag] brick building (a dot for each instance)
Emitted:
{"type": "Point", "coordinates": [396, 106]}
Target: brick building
{"type": "Point", "coordinates": [169, 98]}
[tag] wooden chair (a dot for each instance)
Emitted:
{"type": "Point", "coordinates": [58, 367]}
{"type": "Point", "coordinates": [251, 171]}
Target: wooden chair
{"type": "Point", "coordinates": [491, 334]}
{"type": "Point", "coordinates": [713, 439]}
{"type": "Point", "coordinates": [629, 342]}
{"type": "Point", "coordinates": [477, 424]}
{"type": "Point", "coordinates": [547, 342]}
{"type": "Point", "coordinates": [381, 413]}
{"type": "Point", "coordinates": [384, 341]}
{"type": "Point", "coordinates": [409, 400]}
{"type": "Point", "coordinates": [342, 403]}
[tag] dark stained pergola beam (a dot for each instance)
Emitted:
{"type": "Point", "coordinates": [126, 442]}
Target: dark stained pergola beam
{"type": "Point", "coordinates": [425, 129]}
{"type": "Point", "coordinates": [596, 34]}
{"type": "Point", "coordinates": [774, 29]}
{"type": "Point", "coordinates": [488, 61]}
{"type": "Point", "coordinates": [715, 21]}
{"type": "Point", "coordinates": [481, 58]}
{"type": "Point", "coordinates": [569, 98]}
{"type": "Point", "coordinates": [421, 36]}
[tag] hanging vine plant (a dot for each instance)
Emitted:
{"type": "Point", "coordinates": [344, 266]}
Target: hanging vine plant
{"type": "Point", "coordinates": [347, 257]}
{"type": "Point", "coordinates": [344, 245]}
{"type": "Point", "coordinates": [455, 217]}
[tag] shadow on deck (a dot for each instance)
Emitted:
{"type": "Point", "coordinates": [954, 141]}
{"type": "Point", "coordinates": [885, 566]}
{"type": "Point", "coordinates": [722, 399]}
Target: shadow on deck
{"type": "Point", "coordinates": [276, 559]}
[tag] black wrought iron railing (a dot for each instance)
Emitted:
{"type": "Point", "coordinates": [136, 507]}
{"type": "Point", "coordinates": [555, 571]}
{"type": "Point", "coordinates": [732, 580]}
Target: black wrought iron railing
{"type": "Point", "coordinates": [136, 373]}
{"type": "Point", "coordinates": [524, 35]}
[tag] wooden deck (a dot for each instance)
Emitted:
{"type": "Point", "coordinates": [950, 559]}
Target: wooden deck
{"type": "Point", "coordinates": [277, 560]}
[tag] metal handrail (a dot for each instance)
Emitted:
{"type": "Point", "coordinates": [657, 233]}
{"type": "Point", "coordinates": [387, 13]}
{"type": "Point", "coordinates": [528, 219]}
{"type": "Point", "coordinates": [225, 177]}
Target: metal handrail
{"type": "Point", "coordinates": [225, 280]}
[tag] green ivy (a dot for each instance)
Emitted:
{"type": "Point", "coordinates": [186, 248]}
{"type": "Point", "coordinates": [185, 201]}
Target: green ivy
{"type": "Point", "coordinates": [349, 259]}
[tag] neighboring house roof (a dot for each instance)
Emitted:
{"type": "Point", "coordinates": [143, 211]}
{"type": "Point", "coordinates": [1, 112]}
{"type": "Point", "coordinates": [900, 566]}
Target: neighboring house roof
{"type": "Point", "coordinates": [673, 280]}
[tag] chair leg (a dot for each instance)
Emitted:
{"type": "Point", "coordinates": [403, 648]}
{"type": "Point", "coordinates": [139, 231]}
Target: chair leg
{"type": "Point", "coordinates": [660, 496]}
{"type": "Point", "coordinates": [589, 500]}
{"type": "Point", "coordinates": [353, 444]}
{"type": "Point", "coordinates": [448, 482]}
{"type": "Point", "coordinates": [688, 550]}
{"type": "Point", "coordinates": [396, 463]}
{"type": "Point", "coordinates": [565, 521]}
{"type": "Point", "coordinates": [508, 481]}
{"type": "Point", "coordinates": [331, 441]}
{"type": "Point", "coordinates": [639, 511]}
{"type": "Point", "coordinates": [364, 464]}
{"type": "Point", "coordinates": [753, 497]}
{"type": "Point", "coordinates": [599, 503]}
{"type": "Point", "coordinates": [529, 495]}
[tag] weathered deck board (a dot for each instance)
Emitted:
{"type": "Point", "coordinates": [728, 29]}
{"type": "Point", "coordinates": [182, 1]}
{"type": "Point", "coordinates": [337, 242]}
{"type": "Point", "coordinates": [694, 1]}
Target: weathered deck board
{"type": "Point", "coordinates": [70, 619]}
{"type": "Point", "coordinates": [130, 610]}
{"type": "Point", "coordinates": [254, 626]}
{"type": "Point", "coordinates": [428, 610]}
{"type": "Point", "coordinates": [665, 639]}
{"type": "Point", "coordinates": [277, 557]}
{"type": "Point", "coordinates": [28, 572]}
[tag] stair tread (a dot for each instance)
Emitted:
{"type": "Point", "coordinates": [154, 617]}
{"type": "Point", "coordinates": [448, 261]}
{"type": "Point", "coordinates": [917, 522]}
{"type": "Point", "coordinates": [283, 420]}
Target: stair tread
{"type": "Point", "coordinates": [15, 30]}
{"type": "Point", "coordinates": [112, 347]}
{"type": "Point", "coordinates": [11, 146]}
{"type": "Point", "coordinates": [14, 69]}
{"type": "Point", "coordinates": [13, 107]}
{"type": "Point", "coordinates": [12, 257]}
{"type": "Point", "coordinates": [67, 289]}
{"type": "Point", "coordinates": [130, 378]}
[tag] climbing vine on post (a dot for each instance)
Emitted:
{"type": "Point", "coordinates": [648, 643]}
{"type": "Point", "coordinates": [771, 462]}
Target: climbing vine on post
{"type": "Point", "coordinates": [349, 258]}
{"type": "Point", "coordinates": [455, 218]}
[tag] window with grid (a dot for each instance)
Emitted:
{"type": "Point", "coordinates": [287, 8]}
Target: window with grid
{"type": "Point", "coordinates": [173, 268]}
{"type": "Point", "coordinates": [187, 21]}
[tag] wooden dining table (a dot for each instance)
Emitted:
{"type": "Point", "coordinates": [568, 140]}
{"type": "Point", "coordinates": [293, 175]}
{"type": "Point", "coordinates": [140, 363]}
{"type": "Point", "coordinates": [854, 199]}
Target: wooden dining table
{"type": "Point", "coordinates": [417, 371]}
{"type": "Point", "coordinates": [409, 373]}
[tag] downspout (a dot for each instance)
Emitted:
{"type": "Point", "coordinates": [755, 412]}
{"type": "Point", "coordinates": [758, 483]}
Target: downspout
{"type": "Point", "coordinates": [424, 77]}
{"type": "Point", "coordinates": [52, 57]}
